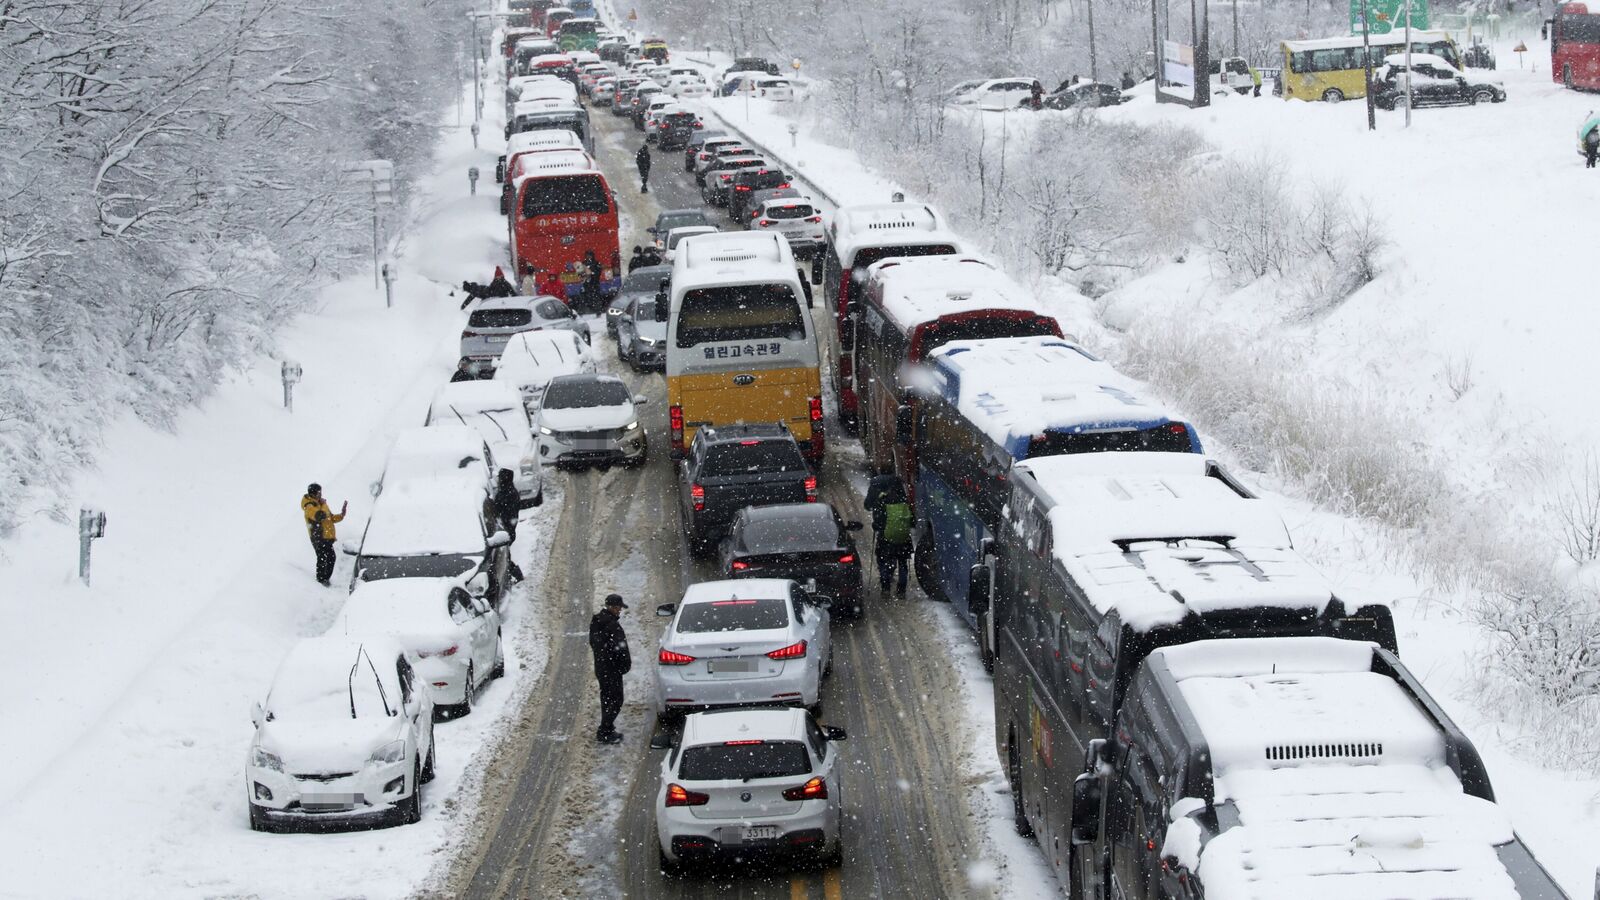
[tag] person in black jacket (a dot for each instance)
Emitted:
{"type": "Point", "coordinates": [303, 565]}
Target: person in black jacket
{"type": "Point", "coordinates": [507, 506]}
{"type": "Point", "coordinates": [642, 160]}
{"type": "Point", "coordinates": [497, 287]}
{"type": "Point", "coordinates": [611, 662]}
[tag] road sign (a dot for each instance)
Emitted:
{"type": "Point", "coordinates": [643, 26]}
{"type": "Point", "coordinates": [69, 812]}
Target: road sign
{"type": "Point", "coordinates": [633, 15]}
{"type": "Point", "coordinates": [1387, 15]}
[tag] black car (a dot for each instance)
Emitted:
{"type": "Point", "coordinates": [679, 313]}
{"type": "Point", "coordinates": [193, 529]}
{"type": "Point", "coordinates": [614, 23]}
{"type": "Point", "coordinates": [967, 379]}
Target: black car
{"type": "Point", "coordinates": [743, 184]}
{"type": "Point", "coordinates": [1084, 94]}
{"type": "Point", "coordinates": [731, 467]}
{"type": "Point", "coordinates": [1434, 82]}
{"type": "Point", "coordinates": [673, 129]}
{"type": "Point", "coordinates": [751, 64]}
{"type": "Point", "coordinates": [697, 141]}
{"type": "Point", "coordinates": [798, 541]}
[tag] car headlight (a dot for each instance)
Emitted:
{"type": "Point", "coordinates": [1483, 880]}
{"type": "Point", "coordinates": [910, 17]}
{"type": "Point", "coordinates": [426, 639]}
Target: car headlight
{"type": "Point", "coordinates": [633, 426]}
{"type": "Point", "coordinates": [261, 759]}
{"type": "Point", "coordinates": [545, 431]}
{"type": "Point", "coordinates": [392, 752]}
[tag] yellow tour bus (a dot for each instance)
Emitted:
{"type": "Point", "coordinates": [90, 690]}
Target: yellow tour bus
{"type": "Point", "coordinates": [741, 346]}
{"type": "Point", "coordinates": [1330, 69]}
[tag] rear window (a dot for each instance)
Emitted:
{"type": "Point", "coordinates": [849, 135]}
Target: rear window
{"type": "Point", "coordinates": [1161, 439]}
{"type": "Point", "coordinates": [937, 334]}
{"type": "Point", "coordinates": [777, 535]}
{"type": "Point", "coordinates": [568, 28]}
{"type": "Point", "coordinates": [500, 318]}
{"type": "Point", "coordinates": [682, 120]}
{"type": "Point", "coordinates": [565, 194]}
{"type": "Point", "coordinates": [742, 762]}
{"type": "Point", "coordinates": [789, 211]}
{"type": "Point", "coordinates": [740, 313]}
{"type": "Point", "coordinates": [733, 615]}
{"type": "Point", "coordinates": [582, 393]}
{"type": "Point", "coordinates": [645, 281]}
{"type": "Point", "coordinates": [771, 455]}
{"type": "Point", "coordinates": [553, 310]}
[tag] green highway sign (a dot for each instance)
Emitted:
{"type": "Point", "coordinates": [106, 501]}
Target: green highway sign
{"type": "Point", "coordinates": [1387, 15]}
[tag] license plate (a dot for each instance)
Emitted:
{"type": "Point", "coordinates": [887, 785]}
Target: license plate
{"type": "Point", "coordinates": [761, 833]}
{"type": "Point", "coordinates": [328, 802]}
{"type": "Point", "coordinates": [730, 665]}
{"type": "Point", "coordinates": [499, 338]}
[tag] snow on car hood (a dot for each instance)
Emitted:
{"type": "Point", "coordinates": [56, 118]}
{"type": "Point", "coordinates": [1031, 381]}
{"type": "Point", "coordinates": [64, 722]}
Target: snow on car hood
{"type": "Point", "coordinates": [586, 418]}
{"type": "Point", "coordinates": [318, 745]}
{"type": "Point", "coordinates": [651, 330]}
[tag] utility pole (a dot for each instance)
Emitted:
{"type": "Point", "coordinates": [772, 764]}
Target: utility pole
{"type": "Point", "coordinates": [1094, 69]}
{"type": "Point", "coordinates": [1408, 63]}
{"type": "Point", "coordinates": [1366, 65]}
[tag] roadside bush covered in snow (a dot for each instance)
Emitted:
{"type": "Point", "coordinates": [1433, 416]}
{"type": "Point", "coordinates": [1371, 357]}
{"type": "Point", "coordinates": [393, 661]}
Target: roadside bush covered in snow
{"type": "Point", "coordinates": [170, 193]}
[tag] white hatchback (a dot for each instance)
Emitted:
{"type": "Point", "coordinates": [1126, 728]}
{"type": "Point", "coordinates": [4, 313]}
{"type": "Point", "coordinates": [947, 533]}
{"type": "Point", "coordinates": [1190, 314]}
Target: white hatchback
{"type": "Point", "coordinates": [747, 784]}
{"type": "Point", "coordinates": [532, 358]}
{"type": "Point", "coordinates": [344, 739]}
{"type": "Point", "coordinates": [756, 641]}
{"type": "Point", "coordinates": [795, 218]}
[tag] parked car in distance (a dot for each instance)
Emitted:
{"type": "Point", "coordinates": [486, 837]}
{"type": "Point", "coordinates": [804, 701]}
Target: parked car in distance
{"type": "Point", "coordinates": [796, 219]}
{"type": "Point", "coordinates": [759, 196]}
{"type": "Point", "coordinates": [444, 453]}
{"type": "Point", "coordinates": [343, 740]}
{"type": "Point", "coordinates": [715, 152]}
{"type": "Point", "coordinates": [642, 337]}
{"type": "Point", "coordinates": [1434, 82]}
{"type": "Point", "coordinates": [644, 281]}
{"type": "Point", "coordinates": [751, 64]}
{"type": "Point", "coordinates": [532, 358]}
{"type": "Point", "coordinates": [742, 782]}
{"type": "Point", "coordinates": [798, 541]}
{"type": "Point", "coordinates": [730, 467]}
{"type": "Point", "coordinates": [591, 420]}
{"type": "Point", "coordinates": [1084, 94]}
{"type": "Point", "coordinates": [439, 533]}
{"type": "Point", "coordinates": [492, 323]}
{"type": "Point", "coordinates": [763, 641]}
{"type": "Point", "coordinates": [688, 87]}
{"type": "Point", "coordinates": [454, 635]}
{"type": "Point", "coordinates": [770, 88]}
{"type": "Point", "coordinates": [998, 93]}
{"type": "Point", "coordinates": [494, 409]}
{"type": "Point", "coordinates": [673, 128]}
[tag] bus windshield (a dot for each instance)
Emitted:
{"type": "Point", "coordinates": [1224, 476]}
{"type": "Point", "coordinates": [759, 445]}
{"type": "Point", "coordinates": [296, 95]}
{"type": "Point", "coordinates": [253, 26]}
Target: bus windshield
{"type": "Point", "coordinates": [559, 194]}
{"type": "Point", "coordinates": [1584, 29]}
{"type": "Point", "coordinates": [743, 312]}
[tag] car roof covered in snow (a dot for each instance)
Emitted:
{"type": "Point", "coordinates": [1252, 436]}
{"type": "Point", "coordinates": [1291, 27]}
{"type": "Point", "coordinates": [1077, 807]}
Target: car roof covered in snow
{"type": "Point", "coordinates": [444, 520]}
{"type": "Point", "coordinates": [887, 225]}
{"type": "Point", "coordinates": [532, 356]}
{"type": "Point", "coordinates": [1158, 536]}
{"type": "Point", "coordinates": [1012, 389]}
{"type": "Point", "coordinates": [913, 290]}
{"type": "Point", "coordinates": [314, 680]}
{"type": "Point", "coordinates": [403, 607]}
{"type": "Point", "coordinates": [1419, 59]}
{"type": "Point", "coordinates": [448, 451]}
{"type": "Point", "coordinates": [738, 589]}
{"type": "Point", "coordinates": [720, 726]}
{"type": "Point", "coordinates": [1341, 781]}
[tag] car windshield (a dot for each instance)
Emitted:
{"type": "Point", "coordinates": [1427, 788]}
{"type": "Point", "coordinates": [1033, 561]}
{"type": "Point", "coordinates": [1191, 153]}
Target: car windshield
{"type": "Point", "coordinates": [642, 282]}
{"type": "Point", "coordinates": [553, 309]}
{"type": "Point", "coordinates": [745, 458]}
{"type": "Point", "coordinates": [442, 565]}
{"type": "Point", "coordinates": [733, 615]}
{"type": "Point", "coordinates": [740, 313]}
{"type": "Point", "coordinates": [584, 393]}
{"type": "Point", "coordinates": [494, 423]}
{"type": "Point", "coordinates": [565, 194]}
{"type": "Point", "coordinates": [796, 533]}
{"type": "Point", "coordinates": [744, 761]}
{"type": "Point", "coordinates": [500, 318]}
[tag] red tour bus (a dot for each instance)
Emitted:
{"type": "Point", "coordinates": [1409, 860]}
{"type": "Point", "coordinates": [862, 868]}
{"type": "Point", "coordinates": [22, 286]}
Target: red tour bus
{"type": "Point", "coordinates": [563, 209]}
{"type": "Point", "coordinates": [859, 236]}
{"type": "Point", "coordinates": [1575, 46]}
{"type": "Point", "coordinates": [909, 308]}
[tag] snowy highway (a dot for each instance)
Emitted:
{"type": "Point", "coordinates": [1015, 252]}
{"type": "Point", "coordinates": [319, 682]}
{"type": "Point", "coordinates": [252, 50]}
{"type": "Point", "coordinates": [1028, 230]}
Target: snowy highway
{"type": "Point", "coordinates": [908, 828]}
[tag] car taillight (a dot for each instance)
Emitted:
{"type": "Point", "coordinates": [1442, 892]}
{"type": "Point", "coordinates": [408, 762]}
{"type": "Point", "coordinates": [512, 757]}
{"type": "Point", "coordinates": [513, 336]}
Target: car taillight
{"type": "Point", "coordinates": [447, 651]}
{"type": "Point", "coordinates": [784, 185]}
{"type": "Point", "coordinates": [741, 187]}
{"type": "Point", "coordinates": [467, 334]}
{"type": "Point", "coordinates": [764, 223]}
{"type": "Point", "coordinates": [727, 177]}
{"type": "Point", "coordinates": [793, 651]}
{"type": "Point", "coordinates": [1177, 428]}
{"type": "Point", "coordinates": [816, 409]}
{"type": "Point", "coordinates": [699, 124]}
{"type": "Point", "coordinates": [847, 558]}
{"type": "Point", "coordinates": [675, 420]}
{"type": "Point", "coordinates": [815, 789]}
{"type": "Point", "coordinates": [739, 565]}
{"type": "Point", "coordinates": [811, 488]}
{"type": "Point", "coordinates": [678, 795]}
{"type": "Point", "coordinates": [697, 493]}
{"type": "Point", "coordinates": [668, 658]}
{"type": "Point", "coordinates": [814, 219]}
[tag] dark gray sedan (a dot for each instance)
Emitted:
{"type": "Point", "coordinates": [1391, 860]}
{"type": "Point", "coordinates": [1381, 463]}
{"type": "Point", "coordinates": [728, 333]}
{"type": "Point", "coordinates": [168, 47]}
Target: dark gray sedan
{"type": "Point", "coordinates": [641, 282]}
{"type": "Point", "coordinates": [641, 338]}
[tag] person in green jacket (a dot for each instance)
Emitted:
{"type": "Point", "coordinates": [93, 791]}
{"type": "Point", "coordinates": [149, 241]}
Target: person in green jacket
{"type": "Point", "coordinates": [1589, 139]}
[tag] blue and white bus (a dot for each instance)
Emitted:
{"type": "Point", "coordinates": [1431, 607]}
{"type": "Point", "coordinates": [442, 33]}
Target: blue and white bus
{"type": "Point", "coordinates": [984, 404]}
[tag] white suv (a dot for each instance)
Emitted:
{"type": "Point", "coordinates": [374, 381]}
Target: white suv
{"type": "Point", "coordinates": [742, 782]}
{"type": "Point", "coordinates": [793, 217]}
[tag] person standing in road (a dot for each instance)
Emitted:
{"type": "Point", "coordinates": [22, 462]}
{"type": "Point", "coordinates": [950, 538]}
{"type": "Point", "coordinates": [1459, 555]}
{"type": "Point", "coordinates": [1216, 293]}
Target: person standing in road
{"type": "Point", "coordinates": [507, 507]}
{"type": "Point", "coordinates": [320, 522]}
{"type": "Point", "coordinates": [591, 283]}
{"type": "Point", "coordinates": [642, 159]}
{"type": "Point", "coordinates": [549, 284]}
{"type": "Point", "coordinates": [634, 261]}
{"type": "Point", "coordinates": [891, 526]}
{"type": "Point", "coordinates": [611, 662]}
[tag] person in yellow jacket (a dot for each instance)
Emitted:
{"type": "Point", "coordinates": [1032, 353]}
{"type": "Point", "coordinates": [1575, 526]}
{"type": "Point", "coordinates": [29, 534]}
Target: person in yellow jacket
{"type": "Point", "coordinates": [320, 522]}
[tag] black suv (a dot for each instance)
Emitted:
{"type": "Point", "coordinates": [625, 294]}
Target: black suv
{"type": "Point", "coordinates": [751, 64]}
{"type": "Point", "coordinates": [731, 467]}
{"type": "Point", "coordinates": [673, 129]}
{"type": "Point", "coordinates": [746, 183]}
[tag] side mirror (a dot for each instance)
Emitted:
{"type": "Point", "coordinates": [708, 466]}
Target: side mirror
{"type": "Point", "coordinates": [505, 203]}
{"type": "Point", "coordinates": [810, 586]}
{"type": "Point", "coordinates": [978, 589]}
{"type": "Point", "coordinates": [666, 610]}
{"type": "Point", "coordinates": [498, 539]}
{"type": "Point", "coordinates": [835, 733]}
{"type": "Point", "coordinates": [375, 488]}
{"type": "Point", "coordinates": [652, 230]}
{"type": "Point", "coordinates": [500, 169]}
{"type": "Point", "coordinates": [902, 425]}
{"type": "Point", "coordinates": [822, 601]}
{"type": "Point", "coordinates": [478, 586]}
{"type": "Point", "coordinates": [661, 740]}
{"type": "Point", "coordinates": [852, 525]}
{"type": "Point", "coordinates": [257, 714]}
{"type": "Point", "coordinates": [640, 400]}
{"type": "Point", "coordinates": [350, 548]}
{"type": "Point", "coordinates": [1086, 808]}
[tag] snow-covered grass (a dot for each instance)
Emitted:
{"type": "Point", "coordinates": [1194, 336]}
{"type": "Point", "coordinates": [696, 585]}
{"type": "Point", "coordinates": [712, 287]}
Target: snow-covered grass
{"type": "Point", "coordinates": [128, 723]}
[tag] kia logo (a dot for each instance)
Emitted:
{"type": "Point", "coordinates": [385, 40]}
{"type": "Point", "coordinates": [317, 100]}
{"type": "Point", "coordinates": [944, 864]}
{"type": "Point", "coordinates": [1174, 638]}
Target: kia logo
{"type": "Point", "coordinates": [742, 380]}
{"type": "Point", "coordinates": [745, 796]}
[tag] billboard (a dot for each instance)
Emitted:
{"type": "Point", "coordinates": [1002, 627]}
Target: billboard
{"type": "Point", "coordinates": [1177, 64]}
{"type": "Point", "coordinates": [1387, 15]}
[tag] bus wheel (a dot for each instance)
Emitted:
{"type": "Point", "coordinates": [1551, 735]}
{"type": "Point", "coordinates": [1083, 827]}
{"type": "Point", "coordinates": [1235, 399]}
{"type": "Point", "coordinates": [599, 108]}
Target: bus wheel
{"type": "Point", "coordinates": [1014, 775]}
{"type": "Point", "coordinates": [1332, 95]}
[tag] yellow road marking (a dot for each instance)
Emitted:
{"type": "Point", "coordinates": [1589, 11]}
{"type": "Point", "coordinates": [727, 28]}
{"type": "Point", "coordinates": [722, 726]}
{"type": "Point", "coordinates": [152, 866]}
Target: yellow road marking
{"type": "Point", "coordinates": [798, 889]}
{"type": "Point", "coordinates": [831, 887]}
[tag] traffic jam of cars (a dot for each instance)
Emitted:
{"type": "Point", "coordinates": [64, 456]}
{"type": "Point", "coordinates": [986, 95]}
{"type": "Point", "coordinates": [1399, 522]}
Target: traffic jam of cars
{"type": "Point", "coordinates": [1176, 691]}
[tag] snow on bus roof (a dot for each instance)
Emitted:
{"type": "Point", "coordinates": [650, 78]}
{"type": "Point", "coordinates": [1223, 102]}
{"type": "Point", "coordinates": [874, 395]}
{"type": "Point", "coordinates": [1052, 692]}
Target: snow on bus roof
{"type": "Point", "coordinates": [1380, 40]}
{"type": "Point", "coordinates": [1157, 536]}
{"type": "Point", "coordinates": [918, 289]}
{"type": "Point", "coordinates": [887, 225]}
{"type": "Point", "coordinates": [1340, 781]}
{"type": "Point", "coordinates": [553, 163]}
{"type": "Point", "coordinates": [732, 257]}
{"type": "Point", "coordinates": [543, 138]}
{"type": "Point", "coordinates": [1014, 388]}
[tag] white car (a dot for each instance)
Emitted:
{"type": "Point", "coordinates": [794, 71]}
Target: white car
{"type": "Point", "coordinates": [445, 453]}
{"type": "Point", "coordinates": [344, 739]}
{"type": "Point", "coordinates": [454, 635]}
{"type": "Point", "coordinates": [604, 91]}
{"type": "Point", "coordinates": [676, 236]}
{"type": "Point", "coordinates": [755, 641]}
{"type": "Point", "coordinates": [999, 93]}
{"type": "Point", "coordinates": [793, 217]}
{"type": "Point", "coordinates": [434, 532]}
{"type": "Point", "coordinates": [770, 88]}
{"type": "Point", "coordinates": [660, 103]}
{"type": "Point", "coordinates": [495, 410]}
{"type": "Point", "coordinates": [687, 87]}
{"type": "Point", "coordinates": [741, 782]}
{"type": "Point", "coordinates": [591, 419]}
{"type": "Point", "coordinates": [532, 358]}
